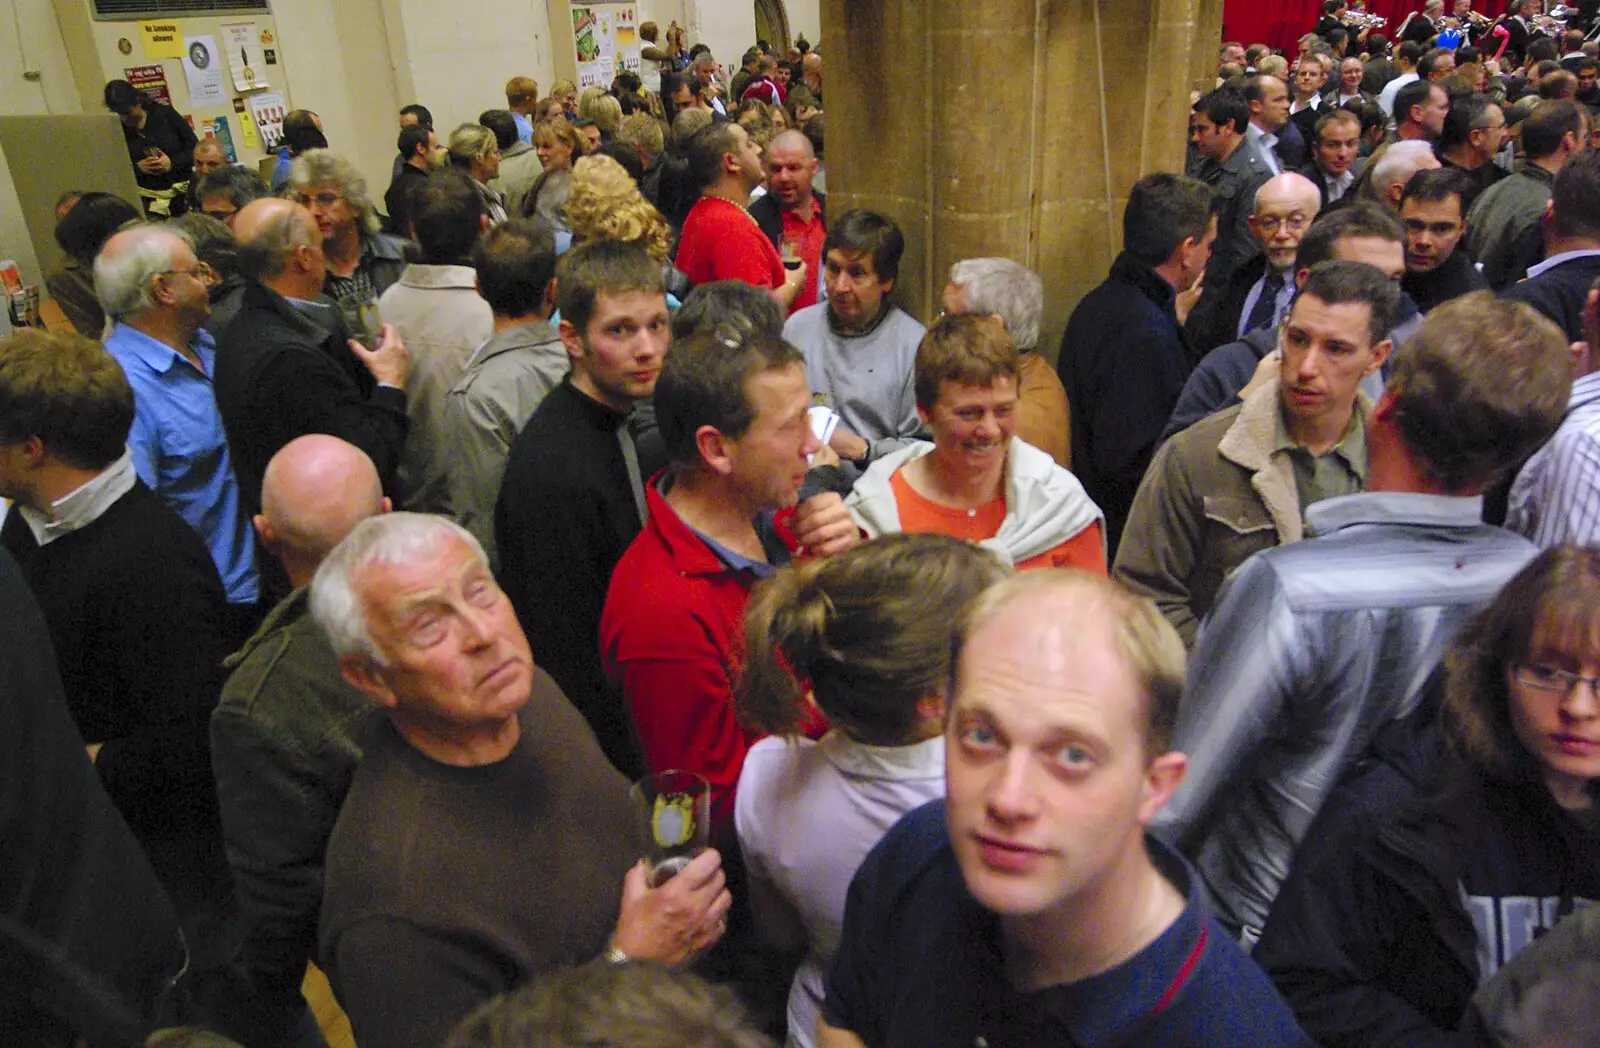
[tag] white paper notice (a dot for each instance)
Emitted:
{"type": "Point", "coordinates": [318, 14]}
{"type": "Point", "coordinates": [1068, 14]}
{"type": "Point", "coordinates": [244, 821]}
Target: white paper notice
{"type": "Point", "coordinates": [202, 65]}
{"type": "Point", "coordinates": [268, 110]}
{"type": "Point", "coordinates": [243, 44]}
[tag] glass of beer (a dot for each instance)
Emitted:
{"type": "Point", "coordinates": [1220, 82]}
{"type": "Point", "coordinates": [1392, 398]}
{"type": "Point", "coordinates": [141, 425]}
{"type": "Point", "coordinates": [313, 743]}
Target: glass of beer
{"type": "Point", "coordinates": [673, 813]}
{"type": "Point", "coordinates": [789, 251]}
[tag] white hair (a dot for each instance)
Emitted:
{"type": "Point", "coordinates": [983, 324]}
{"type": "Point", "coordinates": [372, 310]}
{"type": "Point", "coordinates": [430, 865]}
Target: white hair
{"type": "Point", "coordinates": [1006, 288]}
{"type": "Point", "coordinates": [1398, 163]}
{"type": "Point", "coordinates": [389, 538]}
{"type": "Point", "coordinates": [123, 279]}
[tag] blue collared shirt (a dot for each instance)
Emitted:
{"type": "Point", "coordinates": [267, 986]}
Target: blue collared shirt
{"type": "Point", "coordinates": [524, 127]}
{"type": "Point", "coordinates": [181, 452]}
{"type": "Point", "coordinates": [1309, 650]}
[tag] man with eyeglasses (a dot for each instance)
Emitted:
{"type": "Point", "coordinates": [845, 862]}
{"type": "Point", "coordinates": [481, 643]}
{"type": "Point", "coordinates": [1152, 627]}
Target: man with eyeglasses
{"type": "Point", "coordinates": [1474, 131]}
{"type": "Point", "coordinates": [1259, 292]}
{"type": "Point", "coordinates": [149, 282]}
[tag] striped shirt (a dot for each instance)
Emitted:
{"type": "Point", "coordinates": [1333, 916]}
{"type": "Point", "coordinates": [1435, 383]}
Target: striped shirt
{"type": "Point", "coordinates": [1556, 497]}
{"type": "Point", "coordinates": [1310, 649]}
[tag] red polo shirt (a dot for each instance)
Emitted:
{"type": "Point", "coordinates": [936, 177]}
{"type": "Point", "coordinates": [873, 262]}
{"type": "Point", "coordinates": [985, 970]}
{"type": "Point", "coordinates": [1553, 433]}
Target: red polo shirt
{"type": "Point", "coordinates": [810, 236]}
{"type": "Point", "coordinates": [720, 241]}
{"type": "Point", "coordinates": [673, 631]}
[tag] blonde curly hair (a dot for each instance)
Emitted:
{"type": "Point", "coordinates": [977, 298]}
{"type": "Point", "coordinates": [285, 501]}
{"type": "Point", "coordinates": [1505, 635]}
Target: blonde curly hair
{"type": "Point", "coordinates": [606, 205]}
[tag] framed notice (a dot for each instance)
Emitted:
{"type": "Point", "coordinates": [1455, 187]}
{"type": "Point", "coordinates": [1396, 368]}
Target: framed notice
{"type": "Point", "coordinates": [269, 109]}
{"type": "Point", "coordinates": [152, 80]}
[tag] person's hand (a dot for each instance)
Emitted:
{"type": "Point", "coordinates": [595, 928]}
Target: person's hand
{"type": "Point", "coordinates": [847, 445]}
{"type": "Point", "coordinates": [1270, 367]}
{"type": "Point", "coordinates": [824, 456]}
{"type": "Point", "coordinates": [823, 526]}
{"type": "Point", "coordinates": [389, 361]}
{"type": "Point", "coordinates": [1186, 300]}
{"type": "Point", "coordinates": [157, 163]}
{"type": "Point", "coordinates": [678, 920]}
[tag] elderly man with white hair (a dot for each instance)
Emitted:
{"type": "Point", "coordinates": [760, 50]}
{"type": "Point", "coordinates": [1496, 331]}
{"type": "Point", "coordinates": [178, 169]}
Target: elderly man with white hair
{"type": "Point", "coordinates": [1014, 294]}
{"type": "Point", "coordinates": [485, 839]}
{"type": "Point", "coordinates": [1394, 169]}
{"type": "Point", "coordinates": [150, 283]}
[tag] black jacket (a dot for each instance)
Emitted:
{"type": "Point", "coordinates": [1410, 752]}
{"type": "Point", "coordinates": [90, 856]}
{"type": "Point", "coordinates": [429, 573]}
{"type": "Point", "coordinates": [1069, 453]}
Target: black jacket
{"type": "Point", "coordinates": [1123, 361]}
{"type": "Point", "coordinates": [1214, 320]}
{"type": "Point", "coordinates": [1376, 938]}
{"type": "Point", "coordinates": [1454, 277]}
{"type": "Point", "coordinates": [165, 130]}
{"type": "Point", "coordinates": [1559, 292]}
{"type": "Point", "coordinates": [770, 219]}
{"type": "Point", "coordinates": [281, 376]}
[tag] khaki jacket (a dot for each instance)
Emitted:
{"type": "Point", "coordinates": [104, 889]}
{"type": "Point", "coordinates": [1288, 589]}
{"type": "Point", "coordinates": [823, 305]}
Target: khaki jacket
{"type": "Point", "coordinates": [1214, 495]}
{"type": "Point", "coordinates": [1043, 417]}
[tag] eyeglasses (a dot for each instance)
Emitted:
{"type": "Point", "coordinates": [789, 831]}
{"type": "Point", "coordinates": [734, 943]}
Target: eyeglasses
{"type": "Point", "coordinates": [321, 199]}
{"type": "Point", "coordinates": [1548, 678]}
{"type": "Point", "coordinates": [200, 271]}
{"type": "Point", "coordinates": [1271, 223]}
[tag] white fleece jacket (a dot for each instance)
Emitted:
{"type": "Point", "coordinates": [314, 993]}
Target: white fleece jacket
{"type": "Point", "coordinates": [1045, 504]}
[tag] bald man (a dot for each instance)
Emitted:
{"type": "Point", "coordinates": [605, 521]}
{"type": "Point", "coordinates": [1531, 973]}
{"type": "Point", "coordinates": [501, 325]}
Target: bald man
{"type": "Point", "coordinates": [791, 211]}
{"type": "Point", "coordinates": [288, 731]}
{"type": "Point", "coordinates": [286, 367]}
{"type": "Point", "coordinates": [1259, 293]}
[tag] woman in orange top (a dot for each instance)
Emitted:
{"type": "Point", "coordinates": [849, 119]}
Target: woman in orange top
{"type": "Point", "coordinates": [978, 481]}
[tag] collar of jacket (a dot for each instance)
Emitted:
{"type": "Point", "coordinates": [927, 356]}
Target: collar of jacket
{"type": "Point", "coordinates": [1249, 444]}
{"type": "Point", "coordinates": [1130, 270]}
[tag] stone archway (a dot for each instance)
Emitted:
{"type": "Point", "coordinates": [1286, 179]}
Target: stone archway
{"type": "Point", "coordinates": [772, 25]}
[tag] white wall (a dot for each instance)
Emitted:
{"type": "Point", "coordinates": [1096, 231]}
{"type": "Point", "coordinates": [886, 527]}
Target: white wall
{"type": "Point", "coordinates": [30, 42]}
{"type": "Point", "coordinates": [455, 57]}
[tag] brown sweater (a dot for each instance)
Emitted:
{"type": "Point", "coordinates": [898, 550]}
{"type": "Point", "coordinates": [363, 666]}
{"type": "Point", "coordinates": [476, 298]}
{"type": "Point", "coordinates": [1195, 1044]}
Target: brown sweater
{"type": "Point", "coordinates": [1043, 417]}
{"type": "Point", "coordinates": [446, 886]}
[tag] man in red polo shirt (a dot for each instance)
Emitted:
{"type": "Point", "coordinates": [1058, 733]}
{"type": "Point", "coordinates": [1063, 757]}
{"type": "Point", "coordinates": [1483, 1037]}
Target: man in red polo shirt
{"type": "Point", "coordinates": [720, 239]}
{"type": "Point", "coordinates": [791, 210]}
{"type": "Point", "coordinates": [722, 516]}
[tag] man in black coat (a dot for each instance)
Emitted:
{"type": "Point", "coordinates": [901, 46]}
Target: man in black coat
{"type": "Point", "coordinates": [1438, 268]}
{"type": "Point", "coordinates": [135, 608]}
{"type": "Point", "coordinates": [1559, 286]}
{"type": "Point", "coordinates": [285, 367]}
{"type": "Point", "coordinates": [1123, 357]}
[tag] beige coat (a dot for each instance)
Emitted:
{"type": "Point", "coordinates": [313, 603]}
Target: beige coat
{"type": "Point", "coordinates": [1214, 495]}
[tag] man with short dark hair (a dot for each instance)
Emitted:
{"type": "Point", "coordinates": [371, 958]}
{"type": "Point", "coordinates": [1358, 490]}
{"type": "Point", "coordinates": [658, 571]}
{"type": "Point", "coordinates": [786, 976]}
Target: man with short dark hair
{"type": "Point", "coordinates": [1405, 65]}
{"type": "Point", "coordinates": [1275, 137]}
{"type": "Point", "coordinates": [573, 493]}
{"type": "Point", "coordinates": [1312, 648]}
{"type": "Point", "coordinates": [1295, 440]}
{"type": "Point", "coordinates": [749, 70]}
{"type": "Point", "coordinates": [1335, 148]}
{"type": "Point", "coordinates": [1123, 356]}
{"type": "Point", "coordinates": [1503, 227]}
{"type": "Point", "coordinates": [732, 406]}
{"type": "Point", "coordinates": [1437, 268]}
{"type": "Point", "coordinates": [435, 308]}
{"type": "Point", "coordinates": [1437, 65]}
{"type": "Point", "coordinates": [505, 378]}
{"type": "Point", "coordinates": [416, 145]}
{"type": "Point", "coordinates": [860, 348]}
{"type": "Point", "coordinates": [289, 730]}
{"type": "Point", "coordinates": [224, 192]}
{"type": "Point", "coordinates": [519, 164]}
{"type": "Point", "coordinates": [1473, 133]}
{"type": "Point", "coordinates": [1305, 95]}
{"type": "Point", "coordinates": [790, 212]}
{"type": "Point", "coordinates": [1559, 285]}
{"type": "Point", "coordinates": [286, 367]}
{"type": "Point", "coordinates": [1031, 906]}
{"type": "Point", "coordinates": [1419, 111]}
{"type": "Point", "coordinates": [1235, 167]}
{"type": "Point", "coordinates": [720, 241]}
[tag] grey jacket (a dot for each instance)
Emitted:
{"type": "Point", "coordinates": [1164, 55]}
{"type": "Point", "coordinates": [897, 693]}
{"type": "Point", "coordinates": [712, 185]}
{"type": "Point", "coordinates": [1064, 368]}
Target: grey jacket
{"type": "Point", "coordinates": [1214, 495]}
{"type": "Point", "coordinates": [519, 170]}
{"type": "Point", "coordinates": [506, 379]}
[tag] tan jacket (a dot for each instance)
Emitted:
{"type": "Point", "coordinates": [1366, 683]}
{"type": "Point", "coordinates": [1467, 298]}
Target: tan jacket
{"type": "Point", "coordinates": [1043, 417]}
{"type": "Point", "coordinates": [1214, 495]}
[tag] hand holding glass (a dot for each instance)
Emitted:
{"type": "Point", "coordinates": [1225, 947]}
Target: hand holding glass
{"type": "Point", "coordinates": [673, 812]}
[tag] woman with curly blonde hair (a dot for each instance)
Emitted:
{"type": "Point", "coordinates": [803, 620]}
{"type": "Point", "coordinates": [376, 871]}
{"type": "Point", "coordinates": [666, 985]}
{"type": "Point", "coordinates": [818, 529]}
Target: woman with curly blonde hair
{"type": "Point", "coordinates": [606, 205]}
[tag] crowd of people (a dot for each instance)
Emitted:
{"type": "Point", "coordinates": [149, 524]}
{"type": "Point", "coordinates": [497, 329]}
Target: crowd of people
{"type": "Point", "coordinates": [1234, 681]}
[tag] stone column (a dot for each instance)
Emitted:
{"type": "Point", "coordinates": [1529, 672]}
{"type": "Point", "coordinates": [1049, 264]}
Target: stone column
{"type": "Point", "coordinates": [1008, 127]}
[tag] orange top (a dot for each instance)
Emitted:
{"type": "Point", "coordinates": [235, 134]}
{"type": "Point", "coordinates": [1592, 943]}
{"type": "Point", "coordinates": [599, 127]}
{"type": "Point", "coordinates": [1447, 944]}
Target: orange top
{"type": "Point", "coordinates": [921, 515]}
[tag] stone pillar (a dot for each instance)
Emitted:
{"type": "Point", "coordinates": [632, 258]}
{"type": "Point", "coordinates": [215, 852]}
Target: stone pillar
{"type": "Point", "coordinates": [1008, 127]}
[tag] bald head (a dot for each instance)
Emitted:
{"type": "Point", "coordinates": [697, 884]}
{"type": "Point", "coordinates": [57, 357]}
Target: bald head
{"type": "Point", "coordinates": [792, 141]}
{"type": "Point", "coordinates": [268, 233]}
{"type": "Point", "coordinates": [1289, 188]}
{"type": "Point", "coordinates": [1284, 208]}
{"type": "Point", "coordinates": [315, 490]}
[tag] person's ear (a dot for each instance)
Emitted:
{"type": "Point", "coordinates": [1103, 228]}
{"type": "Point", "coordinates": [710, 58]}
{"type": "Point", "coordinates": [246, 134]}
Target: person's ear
{"type": "Point", "coordinates": [571, 338]}
{"type": "Point", "coordinates": [716, 450]}
{"type": "Point", "coordinates": [1380, 355]}
{"type": "Point", "coordinates": [922, 413]}
{"type": "Point", "coordinates": [362, 675]}
{"type": "Point", "coordinates": [932, 707]}
{"type": "Point", "coordinates": [1162, 777]}
{"type": "Point", "coordinates": [264, 530]}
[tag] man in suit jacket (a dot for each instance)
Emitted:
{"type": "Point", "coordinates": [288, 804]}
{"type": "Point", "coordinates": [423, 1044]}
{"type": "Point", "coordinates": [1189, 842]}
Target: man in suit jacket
{"type": "Point", "coordinates": [1335, 150]}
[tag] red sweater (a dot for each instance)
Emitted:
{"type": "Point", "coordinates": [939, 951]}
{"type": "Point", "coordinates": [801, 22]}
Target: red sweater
{"type": "Point", "coordinates": [720, 241]}
{"type": "Point", "coordinates": [673, 632]}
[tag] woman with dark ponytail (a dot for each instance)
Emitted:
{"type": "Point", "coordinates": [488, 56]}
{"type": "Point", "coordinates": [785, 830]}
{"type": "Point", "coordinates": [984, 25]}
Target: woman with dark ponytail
{"type": "Point", "coordinates": [870, 632]}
